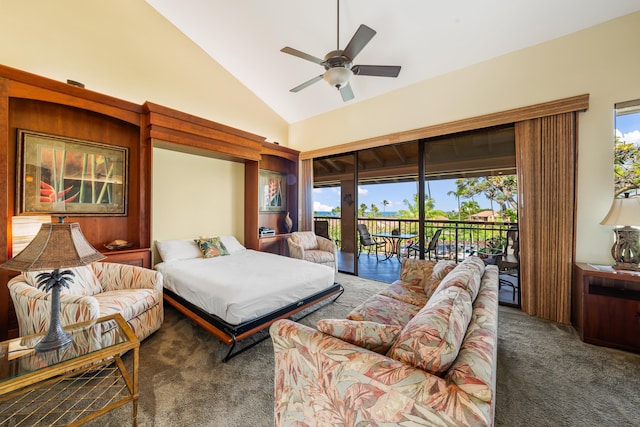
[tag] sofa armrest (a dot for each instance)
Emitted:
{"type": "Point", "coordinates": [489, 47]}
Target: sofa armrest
{"type": "Point", "coordinates": [33, 307]}
{"type": "Point", "coordinates": [327, 380]}
{"type": "Point", "coordinates": [113, 276]}
{"type": "Point", "coordinates": [295, 250]}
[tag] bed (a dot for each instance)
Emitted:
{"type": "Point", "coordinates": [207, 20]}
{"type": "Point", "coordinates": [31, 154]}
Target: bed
{"type": "Point", "coordinates": [237, 292]}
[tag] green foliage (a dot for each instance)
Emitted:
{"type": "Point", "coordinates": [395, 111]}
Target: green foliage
{"type": "Point", "coordinates": [412, 210]}
{"type": "Point", "coordinates": [626, 166]}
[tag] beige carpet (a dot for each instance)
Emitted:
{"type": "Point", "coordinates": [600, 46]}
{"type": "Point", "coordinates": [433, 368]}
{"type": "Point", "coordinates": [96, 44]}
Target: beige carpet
{"type": "Point", "coordinates": [546, 375]}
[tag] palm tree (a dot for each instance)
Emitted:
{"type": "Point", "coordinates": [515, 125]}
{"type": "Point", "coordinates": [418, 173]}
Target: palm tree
{"type": "Point", "coordinates": [458, 193]}
{"type": "Point", "coordinates": [385, 203]}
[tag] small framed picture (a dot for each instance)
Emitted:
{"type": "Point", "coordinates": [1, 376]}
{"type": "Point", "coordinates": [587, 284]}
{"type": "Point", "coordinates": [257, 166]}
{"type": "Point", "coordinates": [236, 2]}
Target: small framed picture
{"type": "Point", "coordinates": [272, 191]}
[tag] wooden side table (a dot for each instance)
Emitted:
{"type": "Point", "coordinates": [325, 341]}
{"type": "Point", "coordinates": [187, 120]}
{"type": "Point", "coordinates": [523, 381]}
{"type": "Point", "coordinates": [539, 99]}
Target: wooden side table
{"type": "Point", "coordinates": [68, 386]}
{"type": "Point", "coordinates": [606, 306]}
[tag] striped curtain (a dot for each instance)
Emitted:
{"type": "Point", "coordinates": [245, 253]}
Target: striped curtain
{"type": "Point", "coordinates": [306, 195]}
{"type": "Point", "coordinates": [546, 164]}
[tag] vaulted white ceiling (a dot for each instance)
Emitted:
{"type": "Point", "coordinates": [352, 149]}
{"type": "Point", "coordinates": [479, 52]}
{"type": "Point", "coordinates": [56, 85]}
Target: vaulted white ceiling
{"type": "Point", "coordinates": [427, 38]}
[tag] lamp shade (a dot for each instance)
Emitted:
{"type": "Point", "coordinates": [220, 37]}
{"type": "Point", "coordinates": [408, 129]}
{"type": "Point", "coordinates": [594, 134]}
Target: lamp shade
{"type": "Point", "coordinates": [55, 246]}
{"type": "Point", "coordinates": [338, 76]}
{"type": "Point", "coordinates": [623, 212]}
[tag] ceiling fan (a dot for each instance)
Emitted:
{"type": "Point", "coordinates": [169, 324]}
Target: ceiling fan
{"type": "Point", "coordinates": [338, 63]}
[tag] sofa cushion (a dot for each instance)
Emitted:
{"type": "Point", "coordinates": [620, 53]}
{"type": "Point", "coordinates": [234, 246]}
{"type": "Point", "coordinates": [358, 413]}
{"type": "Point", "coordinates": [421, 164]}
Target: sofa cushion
{"type": "Point", "coordinates": [412, 294]}
{"type": "Point", "coordinates": [319, 257]}
{"type": "Point", "coordinates": [370, 335]}
{"type": "Point", "coordinates": [440, 271]}
{"type": "Point", "coordinates": [306, 239]}
{"type": "Point", "coordinates": [432, 339]}
{"type": "Point", "coordinates": [414, 271]}
{"type": "Point", "coordinates": [129, 303]}
{"type": "Point", "coordinates": [466, 275]}
{"type": "Point", "coordinates": [83, 283]}
{"type": "Point", "coordinates": [382, 309]}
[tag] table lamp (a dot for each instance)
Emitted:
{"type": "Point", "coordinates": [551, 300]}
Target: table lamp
{"type": "Point", "coordinates": [625, 214]}
{"type": "Point", "coordinates": [56, 246]}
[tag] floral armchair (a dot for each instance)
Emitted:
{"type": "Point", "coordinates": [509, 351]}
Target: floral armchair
{"type": "Point", "coordinates": [308, 246]}
{"type": "Point", "coordinates": [98, 289]}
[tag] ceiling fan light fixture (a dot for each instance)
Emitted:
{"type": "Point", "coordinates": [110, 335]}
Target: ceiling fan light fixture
{"type": "Point", "coordinates": [338, 76]}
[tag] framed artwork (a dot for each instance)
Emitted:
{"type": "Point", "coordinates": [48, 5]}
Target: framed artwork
{"type": "Point", "coordinates": [60, 175]}
{"type": "Point", "coordinates": [272, 191]}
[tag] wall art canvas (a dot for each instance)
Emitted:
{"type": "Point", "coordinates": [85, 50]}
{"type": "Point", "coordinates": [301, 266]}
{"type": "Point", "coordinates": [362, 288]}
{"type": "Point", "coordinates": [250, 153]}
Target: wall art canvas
{"type": "Point", "coordinates": [66, 176]}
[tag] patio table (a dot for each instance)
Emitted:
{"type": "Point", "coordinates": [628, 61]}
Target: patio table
{"type": "Point", "coordinates": [394, 241]}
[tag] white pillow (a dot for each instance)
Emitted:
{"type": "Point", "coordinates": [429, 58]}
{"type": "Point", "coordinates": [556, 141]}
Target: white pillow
{"type": "Point", "coordinates": [173, 250]}
{"type": "Point", "coordinates": [232, 244]}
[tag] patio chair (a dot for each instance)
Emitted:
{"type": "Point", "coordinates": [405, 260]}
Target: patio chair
{"type": "Point", "coordinates": [509, 262]}
{"type": "Point", "coordinates": [430, 249]}
{"type": "Point", "coordinates": [367, 241]}
{"type": "Point", "coordinates": [321, 227]}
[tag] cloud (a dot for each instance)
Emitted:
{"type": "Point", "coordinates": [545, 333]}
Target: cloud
{"type": "Point", "coordinates": [362, 191]}
{"type": "Point", "coordinates": [317, 191]}
{"type": "Point", "coordinates": [319, 207]}
{"type": "Point", "coordinates": [632, 137]}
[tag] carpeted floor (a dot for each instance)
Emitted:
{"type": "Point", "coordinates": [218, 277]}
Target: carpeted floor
{"type": "Point", "coordinates": [546, 375]}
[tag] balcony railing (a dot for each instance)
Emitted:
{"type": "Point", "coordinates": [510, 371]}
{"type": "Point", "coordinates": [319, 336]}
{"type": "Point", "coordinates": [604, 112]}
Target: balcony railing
{"type": "Point", "coordinates": [457, 240]}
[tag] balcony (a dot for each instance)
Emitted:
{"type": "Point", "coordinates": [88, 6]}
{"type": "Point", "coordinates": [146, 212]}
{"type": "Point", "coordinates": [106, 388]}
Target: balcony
{"type": "Point", "coordinates": [457, 240]}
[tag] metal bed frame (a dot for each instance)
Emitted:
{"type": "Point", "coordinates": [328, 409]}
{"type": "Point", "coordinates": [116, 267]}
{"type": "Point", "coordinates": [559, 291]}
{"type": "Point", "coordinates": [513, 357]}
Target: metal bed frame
{"type": "Point", "coordinates": [232, 334]}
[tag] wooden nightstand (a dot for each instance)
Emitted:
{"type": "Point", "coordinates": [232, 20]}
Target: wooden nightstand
{"type": "Point", "coordinates": [606, 306]}
{"type": "Point", "coordinates": [140, 257]}
{"type": "Point", "coordinates": [276, 244]}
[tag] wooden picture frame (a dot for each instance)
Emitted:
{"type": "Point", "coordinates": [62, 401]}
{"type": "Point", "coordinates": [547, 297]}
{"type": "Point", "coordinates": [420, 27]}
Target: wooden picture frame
{"type": "Point", "coordinates": [272, 191]}
{"type": "Point", "coordinates": [66, 176]}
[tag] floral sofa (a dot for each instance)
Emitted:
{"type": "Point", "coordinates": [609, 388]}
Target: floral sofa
{"type": "Point", "coordinates": [97, 290]}
{"type": "Point", "coordinates": [422, 352]}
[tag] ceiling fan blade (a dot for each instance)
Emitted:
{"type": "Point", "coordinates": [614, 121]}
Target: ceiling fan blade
{"type": "Point", "coordinates": [359, 40]}
{"type": "Point", "coordinates": [346, 92]}
{"type": "Point", "coordinates": [307, 83]}
{"type": "Point", "coordinates": [295, 52]}
{"type": "Point", "coordinates": [376, 70]}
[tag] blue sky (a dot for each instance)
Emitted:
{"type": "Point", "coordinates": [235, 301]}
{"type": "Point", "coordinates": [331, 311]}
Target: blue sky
{"type": "Point", "coordinates": [325, 199]}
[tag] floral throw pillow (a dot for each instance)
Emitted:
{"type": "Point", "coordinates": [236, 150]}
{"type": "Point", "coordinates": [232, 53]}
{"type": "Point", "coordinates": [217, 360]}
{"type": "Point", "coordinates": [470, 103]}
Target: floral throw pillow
{"type": "Point", "coordinates": [370, 335]}
{"type": "Point", "coordinates": [440, 270]}
{"type": "Point", "coordinates": [211, 247]}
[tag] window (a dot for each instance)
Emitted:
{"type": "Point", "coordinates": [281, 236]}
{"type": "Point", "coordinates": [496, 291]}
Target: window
{"type": "Point", "coordinates": [627, 148]}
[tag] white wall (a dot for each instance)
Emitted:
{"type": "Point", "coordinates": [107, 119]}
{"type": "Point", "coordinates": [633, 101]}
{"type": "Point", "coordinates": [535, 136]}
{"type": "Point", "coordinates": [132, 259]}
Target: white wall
{"type": "Point", "coordinates": [125, 49]}
{"type": "Point", "coordinates": [193, 196]}
{"type": "Point", "coordinates": [602, 61]}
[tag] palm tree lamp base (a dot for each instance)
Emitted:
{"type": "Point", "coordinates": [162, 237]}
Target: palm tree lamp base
{"type": "Point", "coordinates": [55, 338]}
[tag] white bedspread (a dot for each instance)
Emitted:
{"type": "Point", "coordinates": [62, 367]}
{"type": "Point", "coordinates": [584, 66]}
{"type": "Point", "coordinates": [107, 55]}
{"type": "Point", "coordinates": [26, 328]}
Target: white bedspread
{"type": "Point", "coordinates": [246, 284]}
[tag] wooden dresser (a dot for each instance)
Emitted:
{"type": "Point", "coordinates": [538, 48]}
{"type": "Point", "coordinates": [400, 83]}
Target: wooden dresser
{"type": "Point", "coordinates": [606, 306]}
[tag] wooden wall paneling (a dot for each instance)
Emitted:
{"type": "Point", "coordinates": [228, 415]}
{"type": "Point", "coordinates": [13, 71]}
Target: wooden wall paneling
{"type": "Point", "coordinates": [87, 125]}
{"type": "Point", "coordinates": [196, 135]}
{"type": "Point", "coordinates": [5, 207]}
{"type": "Point", "coordinates": [21, 84]}
{"type": "Point", "coordinates": [251, 205]}
{"type": "Point", "coordinates": [143, 223]}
